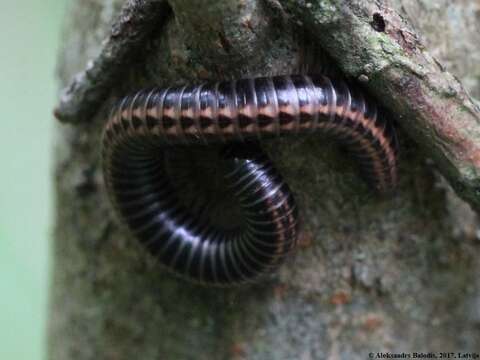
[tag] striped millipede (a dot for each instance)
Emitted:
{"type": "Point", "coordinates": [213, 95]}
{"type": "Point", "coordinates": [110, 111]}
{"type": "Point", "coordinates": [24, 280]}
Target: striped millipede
{"type": "Point", "coordinates": [237, 114]}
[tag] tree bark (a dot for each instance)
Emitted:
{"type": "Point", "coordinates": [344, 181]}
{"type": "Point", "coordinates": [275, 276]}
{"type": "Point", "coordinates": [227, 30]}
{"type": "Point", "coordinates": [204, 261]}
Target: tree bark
{"type": "Point", "coordinates": [397, 274]}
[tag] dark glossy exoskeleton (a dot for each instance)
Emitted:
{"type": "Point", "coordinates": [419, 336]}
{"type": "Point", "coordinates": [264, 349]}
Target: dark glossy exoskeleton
{"type": "Point", "coordinates": [235, 112]}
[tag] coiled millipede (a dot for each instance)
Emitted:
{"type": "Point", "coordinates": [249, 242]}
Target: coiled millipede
{"type": "Point", "coordinates": [231, 112]}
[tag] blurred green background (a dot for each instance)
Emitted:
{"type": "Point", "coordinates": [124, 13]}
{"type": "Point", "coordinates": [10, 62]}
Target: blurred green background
{"type": "Point", "coordinates": [29, 38]}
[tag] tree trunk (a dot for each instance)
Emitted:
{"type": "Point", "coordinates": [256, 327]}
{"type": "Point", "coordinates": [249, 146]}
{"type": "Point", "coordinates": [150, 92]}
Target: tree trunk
{"type": "Point", "coordinates": [397, 274]}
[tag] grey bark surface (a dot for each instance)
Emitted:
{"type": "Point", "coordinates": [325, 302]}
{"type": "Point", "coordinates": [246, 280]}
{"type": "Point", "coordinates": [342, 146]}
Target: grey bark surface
{"type": "Point", "coordinates": [396, 274]}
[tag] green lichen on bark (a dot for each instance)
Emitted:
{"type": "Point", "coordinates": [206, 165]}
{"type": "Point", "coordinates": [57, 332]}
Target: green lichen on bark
{"type": "Point", "coordinates": [373, 274]}
{"type": "Point", "coordinates": [371, 40]}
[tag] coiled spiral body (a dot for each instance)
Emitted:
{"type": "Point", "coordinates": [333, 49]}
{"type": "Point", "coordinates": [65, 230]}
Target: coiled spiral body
{"type": "Point", "coordinates": [241, 113]}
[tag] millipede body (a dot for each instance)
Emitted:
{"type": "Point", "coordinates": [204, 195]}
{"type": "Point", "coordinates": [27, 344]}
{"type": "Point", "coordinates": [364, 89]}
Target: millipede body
{"type": "Point", "coordinates": [235, 116]}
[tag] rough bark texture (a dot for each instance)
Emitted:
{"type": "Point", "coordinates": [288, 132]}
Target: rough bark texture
{"type": "Point", "coordinates": [374, 44]}
{"type": "Point", "coordinates": [373, 274]}
{"type": "Point", "coordinates": [80, 100]}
